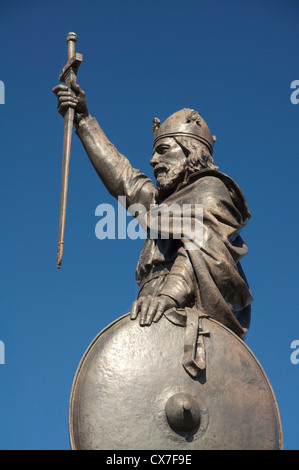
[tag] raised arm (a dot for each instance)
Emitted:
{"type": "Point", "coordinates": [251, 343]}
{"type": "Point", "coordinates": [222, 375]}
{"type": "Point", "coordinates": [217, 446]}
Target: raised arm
{"type": "Point", "coordinates": [114, 169]}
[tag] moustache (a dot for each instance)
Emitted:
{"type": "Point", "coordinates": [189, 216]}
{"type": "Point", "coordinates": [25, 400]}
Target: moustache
{"type": "Point", "coordinates": [160, 168]}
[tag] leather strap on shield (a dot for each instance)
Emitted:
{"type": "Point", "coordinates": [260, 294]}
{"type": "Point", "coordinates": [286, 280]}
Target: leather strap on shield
{"type": "Point", "coordinates": [194, 360]}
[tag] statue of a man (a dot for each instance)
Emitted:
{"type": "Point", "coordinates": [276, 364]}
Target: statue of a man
{"type": "Point", "coordinates": [171, 276]}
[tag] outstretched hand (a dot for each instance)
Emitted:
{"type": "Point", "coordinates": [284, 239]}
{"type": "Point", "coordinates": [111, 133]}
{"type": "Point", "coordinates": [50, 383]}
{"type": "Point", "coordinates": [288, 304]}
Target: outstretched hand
{"type": "Point", "coordinates": [151, 308]}
{"type": "Point", "coordinates": [73, 97]}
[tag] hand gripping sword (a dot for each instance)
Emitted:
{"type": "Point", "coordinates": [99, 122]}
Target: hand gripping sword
{"type": "Point", "coordinates": [67, 75]}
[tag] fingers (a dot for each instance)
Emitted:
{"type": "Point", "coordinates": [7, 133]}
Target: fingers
{"type": "Point", "coordinates": [143, 312]}
{"type": "Point", "coordinates": [58, 88]}
{"type": "Point", "coordinates": [64, 103]}
{"type": "Point", "coordinates": [135, 309]}
{"type": "Point", "coordinates": [159, 312]}
{"type": "Point", "coordinates": [75, 87]}
{"type": "Point", "coordinates": [61, 94]}
{"type": "Point", "coordinates": [64, 94]}
{"type": "Point", "coordinates": [151, 308]}
{"type": "Point", "coordinates": [66, 98]}
{"type": "Point", "coordinates": [71, 97]}
{"type": "Point", "coordinates": [155, 310]}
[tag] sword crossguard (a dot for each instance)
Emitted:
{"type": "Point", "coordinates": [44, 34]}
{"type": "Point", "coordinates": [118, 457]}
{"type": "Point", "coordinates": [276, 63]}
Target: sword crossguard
{"type": "Point", "coordinates": [70, 70]}
{"type": "Point", "coordinates": [72, 65]}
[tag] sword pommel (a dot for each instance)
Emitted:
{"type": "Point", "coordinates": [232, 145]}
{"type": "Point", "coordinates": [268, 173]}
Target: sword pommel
{"type": "Point", "coordinates": [71, 37]}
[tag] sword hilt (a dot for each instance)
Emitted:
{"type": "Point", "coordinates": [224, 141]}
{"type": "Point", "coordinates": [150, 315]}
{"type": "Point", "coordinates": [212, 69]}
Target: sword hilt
{"type": "Point", "coordinates": [69, 71]}
{"type": "Point", "coordinates": [71, 45]}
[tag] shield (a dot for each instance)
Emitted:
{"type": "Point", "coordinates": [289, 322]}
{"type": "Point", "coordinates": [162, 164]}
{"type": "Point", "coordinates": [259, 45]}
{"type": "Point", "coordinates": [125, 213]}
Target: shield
{"type": "Point", "coordinates": [131, 391]}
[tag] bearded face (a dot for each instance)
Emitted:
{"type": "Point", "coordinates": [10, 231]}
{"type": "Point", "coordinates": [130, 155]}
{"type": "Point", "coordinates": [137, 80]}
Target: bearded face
{"type": "Point", "coordinates": [169, 162]}
{"type": "Point", "coordinates": [175, 159]}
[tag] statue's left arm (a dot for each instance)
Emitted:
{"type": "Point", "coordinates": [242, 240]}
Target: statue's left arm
{"type": "Point", "coordinates": [174, 290]}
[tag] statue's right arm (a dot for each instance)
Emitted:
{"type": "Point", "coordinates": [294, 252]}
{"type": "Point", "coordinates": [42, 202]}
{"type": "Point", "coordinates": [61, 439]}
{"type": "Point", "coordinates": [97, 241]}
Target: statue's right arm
{"type": "Point", "coordinates": [114, 169]}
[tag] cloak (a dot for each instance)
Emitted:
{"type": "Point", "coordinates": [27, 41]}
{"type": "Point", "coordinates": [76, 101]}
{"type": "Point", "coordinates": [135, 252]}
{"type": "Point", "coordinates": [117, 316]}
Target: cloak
{"type": "Point", "coordinates": [212, 264]}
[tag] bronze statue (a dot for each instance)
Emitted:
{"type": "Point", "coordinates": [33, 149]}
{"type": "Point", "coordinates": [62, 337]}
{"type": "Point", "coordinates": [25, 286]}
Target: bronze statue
{"type": "Point", "coordinates": [202, 289]}
{"type": "Point", "coordinates": [169, 275]}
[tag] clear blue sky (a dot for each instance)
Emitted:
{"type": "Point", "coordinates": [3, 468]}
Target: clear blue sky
{"type": "Point", "coordinates": [232, 61]}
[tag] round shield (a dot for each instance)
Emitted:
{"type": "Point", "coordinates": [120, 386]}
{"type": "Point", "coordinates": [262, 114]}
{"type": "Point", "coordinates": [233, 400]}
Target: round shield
{"type": "Point", "coordinates": [131, 391]}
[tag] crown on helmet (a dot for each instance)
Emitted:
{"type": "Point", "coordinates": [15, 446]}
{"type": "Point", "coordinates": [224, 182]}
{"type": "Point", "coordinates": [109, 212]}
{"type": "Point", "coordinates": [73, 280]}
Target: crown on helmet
{"type": "Point", "coordinates": [185, 123]}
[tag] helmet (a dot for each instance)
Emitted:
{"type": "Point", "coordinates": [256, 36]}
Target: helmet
{"type": "Point", "coordinates": [185, 123]}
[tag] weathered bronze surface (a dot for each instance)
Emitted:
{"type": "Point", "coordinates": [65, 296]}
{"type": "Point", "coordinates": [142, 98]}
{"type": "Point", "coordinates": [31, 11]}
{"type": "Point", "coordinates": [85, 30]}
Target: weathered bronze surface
{"type": "Point", "coordinates": [181, 376]}
{"type": "Point", "coordinates": [131, 391]}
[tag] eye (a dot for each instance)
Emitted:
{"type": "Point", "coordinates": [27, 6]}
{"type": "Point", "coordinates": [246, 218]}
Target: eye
{"type": "Point", "coordinates": [162, 149]}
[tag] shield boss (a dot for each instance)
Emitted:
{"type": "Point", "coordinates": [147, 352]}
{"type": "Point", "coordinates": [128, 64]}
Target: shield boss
{"type": "Point", "coordinates": [131, 392]}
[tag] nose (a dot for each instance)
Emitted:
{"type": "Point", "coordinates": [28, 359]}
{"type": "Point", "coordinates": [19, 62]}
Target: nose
{"type": "Point", "coordinates": [154, 160]}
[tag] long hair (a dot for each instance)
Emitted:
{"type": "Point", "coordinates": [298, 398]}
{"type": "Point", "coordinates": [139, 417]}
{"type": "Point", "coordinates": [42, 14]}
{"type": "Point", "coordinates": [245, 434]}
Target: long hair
{"type": "Point", "coordinates": [198, 155]}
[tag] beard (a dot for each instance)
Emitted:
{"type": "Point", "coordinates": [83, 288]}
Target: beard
{"type": "Point", "coordinates": [168, 178]}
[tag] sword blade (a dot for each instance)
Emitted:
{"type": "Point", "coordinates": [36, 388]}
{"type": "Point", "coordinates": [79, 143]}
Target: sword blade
{"type": "Point", "coordinates": [66, 154]}
{"type": "Point", "coordinates": [68, 75]}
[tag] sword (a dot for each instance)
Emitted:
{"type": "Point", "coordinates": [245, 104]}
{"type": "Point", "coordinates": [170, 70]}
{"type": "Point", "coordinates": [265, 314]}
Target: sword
{"type": "Point", "coordinates": [67, 75]}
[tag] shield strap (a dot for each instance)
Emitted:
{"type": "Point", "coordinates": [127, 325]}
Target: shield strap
{"type": "Point", "coordinates": [194, 357]}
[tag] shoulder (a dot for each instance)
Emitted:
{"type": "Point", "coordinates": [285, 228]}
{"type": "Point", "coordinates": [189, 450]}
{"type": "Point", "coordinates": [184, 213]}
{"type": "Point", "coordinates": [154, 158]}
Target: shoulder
{"type": "Point", "coordinates": [214, 183]}
{"type": "Point", "coordinates": [210, 184]}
